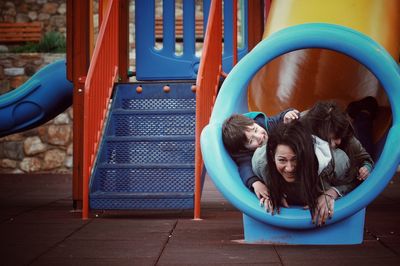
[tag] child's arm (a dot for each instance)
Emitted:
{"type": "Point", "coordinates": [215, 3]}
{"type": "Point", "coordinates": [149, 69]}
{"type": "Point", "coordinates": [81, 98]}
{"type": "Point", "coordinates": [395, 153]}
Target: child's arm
{"type": "Point", "coordinates": [362, 158]}
{"type": "Point", "coordinates": [283, 117]}
{"type": "Point", "coordinates": [246, 173]}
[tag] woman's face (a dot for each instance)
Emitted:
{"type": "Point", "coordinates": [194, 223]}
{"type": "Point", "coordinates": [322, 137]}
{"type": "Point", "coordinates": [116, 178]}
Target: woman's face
{"type": "Point", "coordinates": [285, 161]}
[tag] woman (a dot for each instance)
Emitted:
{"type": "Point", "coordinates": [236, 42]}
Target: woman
{"type": "Point", "coordinates": [300, 170]}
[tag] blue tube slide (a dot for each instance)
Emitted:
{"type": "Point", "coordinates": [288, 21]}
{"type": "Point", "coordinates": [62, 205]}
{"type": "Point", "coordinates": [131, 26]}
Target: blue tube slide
{"type": "Point", "coordinates": [293, 225]}
{"type": "Point", "coordinates": [45, 95]}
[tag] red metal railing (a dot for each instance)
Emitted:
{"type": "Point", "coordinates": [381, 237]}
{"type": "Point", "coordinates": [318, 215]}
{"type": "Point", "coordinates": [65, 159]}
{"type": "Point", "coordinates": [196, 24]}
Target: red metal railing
{"type": "Point", "coordinates": [97, 92]}
{"type": "Point", "coordinates": [207, 87]}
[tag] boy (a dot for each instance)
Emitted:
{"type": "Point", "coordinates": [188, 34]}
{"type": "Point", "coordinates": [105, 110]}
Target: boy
{"type": "Point", "coordinates": [243, 134]}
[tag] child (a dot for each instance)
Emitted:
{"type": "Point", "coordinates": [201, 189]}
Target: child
{"type": "Point", "coordinates": [243, 134]}
{"type": "Point", "coordinates": [327, 121]}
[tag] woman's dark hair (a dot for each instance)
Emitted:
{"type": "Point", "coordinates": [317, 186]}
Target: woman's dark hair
{"type": "Point", "coordinates": [327, 121]}
{"type": "Point", "coordinates": [296, 136]}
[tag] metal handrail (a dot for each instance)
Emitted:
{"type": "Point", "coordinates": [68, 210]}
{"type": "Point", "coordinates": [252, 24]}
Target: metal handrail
{"type": "Point", "coordinates": [97, 92]}
{"type": "Point", "coordinates": [207, 83]}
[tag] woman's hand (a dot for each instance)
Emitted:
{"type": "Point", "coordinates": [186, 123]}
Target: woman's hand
{"type": "Point", "coordinates": [260, 189]}
{"type": "Point", "coordinates": [325, 207]}
{"type": "Point", "coordinates": [262, 194]}
{"type": "Point", "coordinates": [267, 203]}
{"type": "Point", "coordinates": [290, 116]}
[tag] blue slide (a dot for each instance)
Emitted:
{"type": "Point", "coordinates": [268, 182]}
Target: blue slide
{"type": "Point", "coordinates": [45, 95]}
{"type": "Point", "coordinates": [293, 225]}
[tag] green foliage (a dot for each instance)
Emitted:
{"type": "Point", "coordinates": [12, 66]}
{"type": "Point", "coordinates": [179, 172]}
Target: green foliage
{"type": "Point", "coordinates": [52, 42]}
{"type": "Point", "coordinates": [29, 47]}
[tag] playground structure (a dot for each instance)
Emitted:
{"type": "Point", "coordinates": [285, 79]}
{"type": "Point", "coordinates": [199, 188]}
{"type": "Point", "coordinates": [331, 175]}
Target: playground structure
{"type": "Point", "coordinates": [143, 153]}
{"type": "Point", "coordinates": [282, 71]}
{"type": "Point", "coordinates": [134, 165]}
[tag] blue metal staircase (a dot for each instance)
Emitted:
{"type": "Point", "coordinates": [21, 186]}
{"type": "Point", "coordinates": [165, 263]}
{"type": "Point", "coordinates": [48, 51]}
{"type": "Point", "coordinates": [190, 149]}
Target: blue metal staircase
{"type": "Point", "coordinates": [146, 158]}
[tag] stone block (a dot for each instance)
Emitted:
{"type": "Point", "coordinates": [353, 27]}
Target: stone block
{"type": "Point", "coordinates": [62, 119]}
{"type": "Point", "coordinates": [4, 86]}
{"type": "Point", "coordinates": [68, 162]}
{"type": "Point", "coordinates": [3, 49]}
{"type": "Point", "coordinates": [34, 145]}
{"type": "Point", "coordinates": [14, 71]}
{"type": "Point", "coordinates": [22, 18]}
{"type": "Point", "coordinates": [70, 149]}
{"type": "Point", "coordinates": [58, 21]}
{"type": "Point", "coordinates": [50, 8]}
{"type": "Point", "coordinates": [43, 16]}
{"type": "Point", "coordinates": [59, 134]}
{"type": "Point", "coordinates": [53, 159]}
{"type": "Point", "coordinates": [7, 163]}
{"type": "Point", "coordinates": [62, 9]}
{"type": "Point", "coordinates": [14, 137]}
{"type": "Point", "coordinates": [15, 82]}
{"type": "Point", "coordinates": [31, 164]}
{"type": "Point", "coordinates": [13, 150]}
{"type": "Point", "coordinates": [32, 15]}
{"type": "Point", "coordinates": [71, 113]}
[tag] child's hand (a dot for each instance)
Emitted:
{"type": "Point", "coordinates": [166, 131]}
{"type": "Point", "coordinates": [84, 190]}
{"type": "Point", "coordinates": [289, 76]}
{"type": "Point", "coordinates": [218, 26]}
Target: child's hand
{"type": "Point", "coordinates": [363, 173]}
{"type": "Point", "coordinates": [290, 116]}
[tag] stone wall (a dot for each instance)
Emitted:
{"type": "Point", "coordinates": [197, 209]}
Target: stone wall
{"type": "Point", "coordinates": [47, 148]}
{"type": "Point", "coordinates": [52, 13]}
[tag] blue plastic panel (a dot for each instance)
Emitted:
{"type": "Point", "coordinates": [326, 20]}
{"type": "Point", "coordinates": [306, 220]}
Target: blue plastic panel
{"type": "Point", "coordinates": [165, 64]}
{"type": "Point", "coordinates": [45, 95]}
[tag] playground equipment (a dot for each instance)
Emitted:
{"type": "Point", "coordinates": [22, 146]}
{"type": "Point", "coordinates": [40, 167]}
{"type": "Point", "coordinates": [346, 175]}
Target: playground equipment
{"type": "Point", "coordinates": [293, 226]}
{"type": "Point", "coordinates": [120, 149]}
{"type": "Point", "coordinates": [45, 95]}
{"type": "Point", "coordinates": [121, 167]}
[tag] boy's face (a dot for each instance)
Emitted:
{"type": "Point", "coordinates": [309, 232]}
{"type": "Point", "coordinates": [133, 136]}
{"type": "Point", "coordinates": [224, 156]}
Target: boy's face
{"type": "Point", "coordinates": [256, 137]}
{"type": "Point", "coordinates": [335, 141]}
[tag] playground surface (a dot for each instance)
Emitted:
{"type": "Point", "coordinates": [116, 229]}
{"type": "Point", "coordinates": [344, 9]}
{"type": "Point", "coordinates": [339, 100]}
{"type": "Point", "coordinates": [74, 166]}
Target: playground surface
{"type": "Point", "coordinates": [38, 227]}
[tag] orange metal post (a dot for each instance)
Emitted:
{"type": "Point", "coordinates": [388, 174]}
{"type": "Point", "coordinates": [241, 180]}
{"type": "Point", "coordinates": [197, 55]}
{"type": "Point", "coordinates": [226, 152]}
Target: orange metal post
{"type": "Point", "coordinates": [79, 46]}
{"type": "Point", "coordinates": [206, 87]}
{"type": "Point", "coordinates": [102, 10]}
{"type": "Point", "coordinates": [123, 48]}
{"type": "Point", "coordinates": [234, 35]}
{"type": "Point", "coordinates": [97, 93]}
{"type": "Point", "coordinates": [255, 24]}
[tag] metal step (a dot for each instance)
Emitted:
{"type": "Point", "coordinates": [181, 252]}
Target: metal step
{"type": "Point", "coordinates": [152, 123]}
{"type": "Point", "coordinates": [146, 158]}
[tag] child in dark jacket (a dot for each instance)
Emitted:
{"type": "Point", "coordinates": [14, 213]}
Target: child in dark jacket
{"type": "Point", "coordinates": [243, 134]}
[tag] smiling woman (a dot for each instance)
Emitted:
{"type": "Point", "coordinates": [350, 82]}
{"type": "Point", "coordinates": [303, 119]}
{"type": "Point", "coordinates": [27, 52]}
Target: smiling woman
{"type": "Point", "coordinates": [301, 171]}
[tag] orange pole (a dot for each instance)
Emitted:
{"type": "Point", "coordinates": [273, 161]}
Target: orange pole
{"type": "Point", "coordinates": [235, 21]}
{"type": "Point", "coordinates": [255, 21]}
{"type": "Point", "coordinates": [79, 46]}
{"type": "Point", "coordinates": [98, 87]}
{"type": "Point", "coordinates": [206, 88]}
{"type": "Point", "coordinates": [123, 48]}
